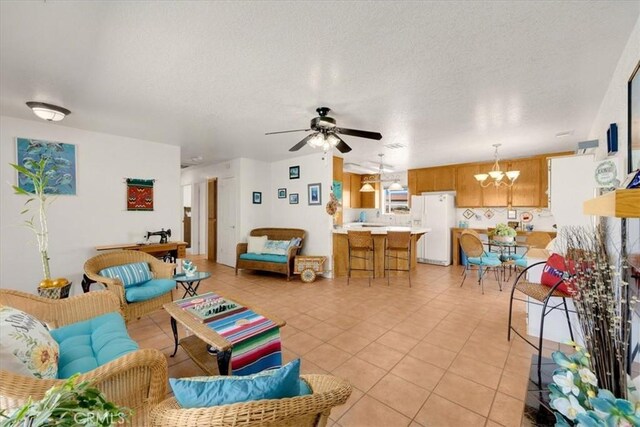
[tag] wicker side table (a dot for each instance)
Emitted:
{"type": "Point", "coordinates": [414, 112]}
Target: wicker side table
{"type": "Point", "coordinates": [308, 267]}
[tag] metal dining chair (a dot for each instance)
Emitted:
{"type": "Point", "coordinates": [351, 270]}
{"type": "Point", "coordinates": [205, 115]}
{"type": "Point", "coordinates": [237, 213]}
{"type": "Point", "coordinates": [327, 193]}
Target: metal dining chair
{"type": "Point", "coordinates": [397, 242]}
{"type": "Point", "coordinates": [476, 256]}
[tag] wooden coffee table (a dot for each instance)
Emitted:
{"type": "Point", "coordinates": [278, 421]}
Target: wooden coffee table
{"type": "Point", "coordinates": [206, 339]}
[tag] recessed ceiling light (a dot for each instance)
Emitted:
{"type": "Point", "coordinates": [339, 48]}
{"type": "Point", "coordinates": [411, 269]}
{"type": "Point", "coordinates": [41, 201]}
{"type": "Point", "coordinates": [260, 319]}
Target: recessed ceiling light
{"type": "Point", "coordinates": [48, 112]}
{"type": "Point", "coordinates": [564, 133]}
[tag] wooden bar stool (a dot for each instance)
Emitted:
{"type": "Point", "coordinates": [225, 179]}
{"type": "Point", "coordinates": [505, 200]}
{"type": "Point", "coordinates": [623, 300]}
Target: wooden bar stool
{"type": "Point", "coordinates": [360, 247]}
{"type": "Point", "coordinates": [397, 242]}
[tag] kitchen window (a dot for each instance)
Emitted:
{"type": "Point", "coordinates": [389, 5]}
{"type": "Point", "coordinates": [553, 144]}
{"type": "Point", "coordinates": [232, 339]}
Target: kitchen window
{"type": "Point", "coordinates": [395, 201]}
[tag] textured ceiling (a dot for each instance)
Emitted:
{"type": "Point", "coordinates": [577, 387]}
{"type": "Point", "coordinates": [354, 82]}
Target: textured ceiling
{"type": "Point", "coordinates": [445, 79]}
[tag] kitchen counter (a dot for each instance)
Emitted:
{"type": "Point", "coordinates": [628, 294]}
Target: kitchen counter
{"type": "Point", "coordinates": [379, 232]}
{"type": "Point", "coordinates": [381, 229]}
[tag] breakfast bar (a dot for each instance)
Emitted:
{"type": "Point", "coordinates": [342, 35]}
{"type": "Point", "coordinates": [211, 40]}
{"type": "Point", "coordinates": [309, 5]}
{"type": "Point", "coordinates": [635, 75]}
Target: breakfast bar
{"type": "Point", "coordinates": [379, 234]}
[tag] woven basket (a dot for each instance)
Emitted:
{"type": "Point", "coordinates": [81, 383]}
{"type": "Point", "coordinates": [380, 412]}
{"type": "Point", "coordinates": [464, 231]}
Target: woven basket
{"type": "Point", "coordinates": [55, 293]}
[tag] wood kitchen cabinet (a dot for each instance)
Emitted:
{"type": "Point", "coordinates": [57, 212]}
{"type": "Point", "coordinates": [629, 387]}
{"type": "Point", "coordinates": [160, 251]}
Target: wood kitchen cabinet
{"type": "Point", "coordinates": [493, 196]}
{"type": "Point", "coordinates": [468, 192]}
{"type": "Point", "coordinates": [527, 188]}
{"type": "Point", "coordinates": [356, 200]}
{"type": "Point", "coordinates": [346, 190]}
{"type": "Point", "coordinates": [369, 200]}
{"type": "Point", "coordinates": [441, 178]}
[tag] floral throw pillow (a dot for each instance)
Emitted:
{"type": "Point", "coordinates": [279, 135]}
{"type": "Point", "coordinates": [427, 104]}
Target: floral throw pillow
{"type": "Point", "coordinates": [26, 346]}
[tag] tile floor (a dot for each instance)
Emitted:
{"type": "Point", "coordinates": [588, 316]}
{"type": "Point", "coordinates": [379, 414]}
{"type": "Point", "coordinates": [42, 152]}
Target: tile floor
{"type": "Point", "coordinates": [431, 355]}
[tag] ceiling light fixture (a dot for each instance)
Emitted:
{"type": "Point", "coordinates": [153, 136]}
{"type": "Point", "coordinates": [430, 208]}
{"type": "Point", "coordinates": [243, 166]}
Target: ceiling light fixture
{"type": "Point", "coordinates": [324, 141]}
{"type": "Point", "coordinates": [372, 179]}
{"type": "Point", "coordinates": [496, 174]}
{"type": "Point", "coordinates": [48, 112]}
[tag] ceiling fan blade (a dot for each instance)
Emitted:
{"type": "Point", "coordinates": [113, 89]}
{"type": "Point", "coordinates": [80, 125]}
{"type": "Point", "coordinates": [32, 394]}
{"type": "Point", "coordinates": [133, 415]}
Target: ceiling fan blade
{"type": "Point", "coordinates": [302, 143]}
{"type": "Point", "coordinates": [359, 133]}
{"type": "Point", "coordinates": [342, 146]}
{"type": "Point", "coordinates": [287, 131]}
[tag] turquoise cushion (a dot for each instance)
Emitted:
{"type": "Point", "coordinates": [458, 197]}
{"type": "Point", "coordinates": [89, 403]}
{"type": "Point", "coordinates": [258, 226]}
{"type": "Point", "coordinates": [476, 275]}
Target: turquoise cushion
{"type": "Point", "coordinates": [281, 259]}
{"type": "Point", "coordinates": [516, 256]}
{"type": "Point", "coordinates": [203, 392]}
{"type": "Point", "coordinates": [129, 274]}
{"type": "Point", "coordinates": [148, 290]}
{"type": "Point", "coordinates": [485, 261]}
{"type": "Point", "coordinates": [86, 345]}
{"type": "Point", "coordinates": [491, 254]}
{"type": "Point", "coordinates": [522, 262]}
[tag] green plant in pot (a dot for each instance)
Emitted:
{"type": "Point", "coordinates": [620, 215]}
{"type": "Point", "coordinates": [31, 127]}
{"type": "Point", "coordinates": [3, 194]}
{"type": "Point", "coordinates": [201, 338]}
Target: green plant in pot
{"type": "Point", "coordinates": [69, 404]}
{"type": "Point", "coordinates": [35, 208]}
{"type": "Point", "coordinates": [504, 233]}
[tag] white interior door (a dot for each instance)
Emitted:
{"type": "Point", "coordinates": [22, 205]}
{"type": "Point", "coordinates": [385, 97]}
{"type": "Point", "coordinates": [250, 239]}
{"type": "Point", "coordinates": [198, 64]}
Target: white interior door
{"type": "Point", "coordinates": [227, 236]}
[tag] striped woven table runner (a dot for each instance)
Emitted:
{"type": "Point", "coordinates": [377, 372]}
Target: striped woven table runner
{"type": "Point", "coordinates": [255, 339]}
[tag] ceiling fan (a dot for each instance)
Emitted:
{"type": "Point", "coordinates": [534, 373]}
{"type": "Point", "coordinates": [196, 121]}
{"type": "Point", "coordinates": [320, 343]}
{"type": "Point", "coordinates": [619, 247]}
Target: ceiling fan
{"type": "Point", "coordinates": [326, 132]}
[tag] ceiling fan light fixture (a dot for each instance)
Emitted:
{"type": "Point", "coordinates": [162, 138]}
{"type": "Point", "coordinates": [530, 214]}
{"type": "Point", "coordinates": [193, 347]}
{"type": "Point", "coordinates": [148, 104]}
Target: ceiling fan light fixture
{"type": "Point", "coordinates": [48, 112]}
{"type": "Point", "coordinates": [316, 141]}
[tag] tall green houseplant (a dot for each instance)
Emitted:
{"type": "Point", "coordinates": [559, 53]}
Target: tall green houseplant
{"type": "Point", "coordinates": [36, 205]}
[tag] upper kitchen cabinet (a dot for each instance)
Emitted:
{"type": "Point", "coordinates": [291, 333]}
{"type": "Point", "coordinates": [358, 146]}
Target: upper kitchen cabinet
{"type": "Point", "coordinates": [527, 189]}
{"type": "Point", "coordinates": [441, 178]}
{"type": "Point", "coordinates": [369, 200]}
{"type": "Point", "coordinates": [468, 191]}
{"type": "Point", "coordinates": [356, 200]}
{"type": "Point", "coordinates": [346, 190]}
{"type": "Point", "coordinates": [492, 196]}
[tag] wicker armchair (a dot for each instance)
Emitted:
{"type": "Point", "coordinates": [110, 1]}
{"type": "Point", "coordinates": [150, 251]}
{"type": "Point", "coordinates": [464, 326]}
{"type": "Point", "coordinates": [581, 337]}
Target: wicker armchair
{"type": "Point", "coordinates": [310, 410]}
{"type": "Point", "coordinates": [135, 310]}
{"type": "Point", "coordinates": [137, 380]}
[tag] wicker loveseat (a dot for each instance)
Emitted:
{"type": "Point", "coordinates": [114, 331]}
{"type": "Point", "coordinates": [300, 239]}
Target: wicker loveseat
{"type": "Point", "coordinates": [137, 380]}
{"type": "Point", "coordinates": [283, 267]}
{"type": "Point", "coordinates": [131, 310]}
{"type": "Point", "coordinates": [301, 411]}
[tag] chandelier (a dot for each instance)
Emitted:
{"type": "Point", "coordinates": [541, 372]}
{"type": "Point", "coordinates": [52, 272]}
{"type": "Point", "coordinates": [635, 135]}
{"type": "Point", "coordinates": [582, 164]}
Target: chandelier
{"type": "Point", "coordinates": [372, 179]}
{"type": "Point", "coordinates": [497, 175]}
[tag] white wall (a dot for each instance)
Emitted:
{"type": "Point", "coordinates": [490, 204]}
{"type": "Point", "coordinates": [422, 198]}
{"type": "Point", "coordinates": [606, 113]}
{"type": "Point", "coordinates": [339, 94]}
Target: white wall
{"type": "Point", "coordinates": [254, 176]}
{"type": "Point", "coordinates": [318, 224]}
{"type": "Point", "coordinates": [97, 215]}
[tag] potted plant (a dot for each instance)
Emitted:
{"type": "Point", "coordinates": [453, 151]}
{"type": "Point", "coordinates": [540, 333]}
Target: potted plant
{"type": "Point", "coordinates": [503, 233]}
{"type": "Point", "coordinates": [39, 172]}
{"type": "Point", "coordinates": [69, 404]}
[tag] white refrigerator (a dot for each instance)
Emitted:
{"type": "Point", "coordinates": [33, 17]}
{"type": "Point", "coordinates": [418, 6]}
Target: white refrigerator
{"type": "Point", "coordinates": [437, 212]}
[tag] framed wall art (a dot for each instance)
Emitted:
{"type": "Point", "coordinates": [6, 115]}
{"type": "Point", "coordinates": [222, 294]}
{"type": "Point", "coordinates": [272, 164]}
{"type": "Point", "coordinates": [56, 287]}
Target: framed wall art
{"type": "Point", "coordinates": [140, 194]}
{"type": "Point", "coordinates": [282, 193]}
{"type": "Point", "coordinates": [60, 164]}
{"type": "Point", "coordinates": [512, 214]}
{"type": "Point", "coordinates": [294, 172]}
{"type": "Point", "coordinates": [634, 120]}
{"type": "Point", "coordinates": [257, 197]}
{"type": "Point", "coordinates": [293, 198]}
{"type": "Point", "coordinates": [315, 194]}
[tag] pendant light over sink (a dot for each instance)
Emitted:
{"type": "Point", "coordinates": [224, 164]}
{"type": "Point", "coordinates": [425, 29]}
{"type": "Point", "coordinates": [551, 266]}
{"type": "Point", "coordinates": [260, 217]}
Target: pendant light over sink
{"type": "Point", "coordinates": [372, 179]}
{"type": "Point", "coordinates": [497, 175]}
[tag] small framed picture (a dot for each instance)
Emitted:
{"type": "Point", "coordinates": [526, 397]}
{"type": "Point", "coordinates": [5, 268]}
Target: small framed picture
{"type": "Point", "coordinates": [257, 198]}
{"type": "Point", "coordinates": [294, 172]}
{"type": "Point", "coordinates": [293, 198]}
{"type": "Point", "coordinates": [512, 214]}
{"type": "Point", "coordinates": [315, 194]}
{"type": "Point", "coordinates": [282, 193]}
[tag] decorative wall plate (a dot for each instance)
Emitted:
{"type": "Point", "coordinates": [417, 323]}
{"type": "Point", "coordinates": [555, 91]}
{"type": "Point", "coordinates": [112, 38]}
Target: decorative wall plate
{"type": "Point", "coordinates": [526, 216]}
{"type": "Point", "coordinates": [489, 214]}
{"type": "Point", "coordinates": [468, 214]}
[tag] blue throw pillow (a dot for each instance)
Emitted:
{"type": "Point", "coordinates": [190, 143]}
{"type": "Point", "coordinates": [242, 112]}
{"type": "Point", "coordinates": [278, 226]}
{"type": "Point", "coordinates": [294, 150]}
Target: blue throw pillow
{"type": "Point", "coordinates": [129, 274]}
{"type": "Point", "coordinates": [203, 392]}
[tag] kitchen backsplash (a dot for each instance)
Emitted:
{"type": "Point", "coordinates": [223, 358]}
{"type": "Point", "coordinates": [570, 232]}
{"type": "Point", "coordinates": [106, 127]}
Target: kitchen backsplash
{"type": "Point", "coordinates": [542, 219]}
{"type": "Point", "coordinates": [374, 215]}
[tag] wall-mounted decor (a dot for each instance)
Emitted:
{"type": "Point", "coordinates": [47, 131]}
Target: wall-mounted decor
{"type": "Point", "coordinates": [337, 190]}
{"type": "Point", "coordinates": [140, 194]}
{"type": "Point", "coordinates": [514, 224]}
{"type": "Point", "coordinates": [257, 197]}
{"type": "Point", "coordinates": [612, 138]}
{"type": "Point", "coordinates": [468, 214]}
{"type": "Point", "coordinates": [315, 194]}
{"type": "Point", "coordinates": [634, 120]}
{"type": "Point", "coordinates": [282, 193]}
{"type": "Point", "coordinates": [606, 173]}
{"type": "Point", "coordinates": [489, 214]}
{"type": "Point", "coordinates": [512, 214]}
{"type": "Point", "coordinates": [60, 164]}
{"type": "Point", "coordinates": [526, 216]}
{"type": "Point", "coordinates": [294, 172]}
{"type": "Point", "coordinates": [293, 198]}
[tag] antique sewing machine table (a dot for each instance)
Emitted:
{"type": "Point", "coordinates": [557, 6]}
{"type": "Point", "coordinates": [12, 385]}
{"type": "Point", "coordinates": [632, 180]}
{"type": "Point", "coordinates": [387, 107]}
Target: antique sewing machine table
{"type": "Point", "coordinates": [191, 283]}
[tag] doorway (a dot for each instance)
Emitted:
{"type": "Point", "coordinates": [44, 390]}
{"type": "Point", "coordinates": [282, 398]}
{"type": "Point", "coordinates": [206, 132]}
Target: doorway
{"type": "Point", "coordinates": [227, 215]}
{"type": "Point", "coordinates": [186, 214]}
{"type": "Point", "coordinates": [212, 220]}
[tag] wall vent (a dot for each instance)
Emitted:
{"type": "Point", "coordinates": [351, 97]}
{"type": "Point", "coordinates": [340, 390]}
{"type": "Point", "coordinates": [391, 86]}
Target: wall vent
{"type": "Point", "coordinates": [394, 146]}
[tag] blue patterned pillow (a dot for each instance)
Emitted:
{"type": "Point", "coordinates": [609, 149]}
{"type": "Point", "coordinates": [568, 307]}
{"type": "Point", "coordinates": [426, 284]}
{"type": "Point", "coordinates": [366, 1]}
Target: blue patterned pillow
{"type": "Point", "coordinates": [276, 247]}
{"type": "Point", "coordinates": [129, 274]}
